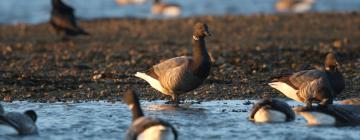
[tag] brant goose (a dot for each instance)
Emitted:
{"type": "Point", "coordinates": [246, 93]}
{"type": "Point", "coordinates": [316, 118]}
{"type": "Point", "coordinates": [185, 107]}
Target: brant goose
{"type": "Point", "coordinates": [352, 101]}
{"type": "Point", "coordinates": [182, 74]}
{"type": "Point", "coordinates": [296, 6]}
{"type": "Point", "coordinates": [63, 19]}
{"type": "Point", "coordinates": [271, 111]}
{"type": "Point", "coordinates": [146, 128]}
{"type": "Point", "coordinates": [318, 85]}
{"type": "Point", "coordinates": [171, 10]}
{"type": "Point", "coordinates": [15, 123]}
{"type": "Point", "coordinates": [125, 2]}
{"type": "Point", "coordinates": [338, 115]}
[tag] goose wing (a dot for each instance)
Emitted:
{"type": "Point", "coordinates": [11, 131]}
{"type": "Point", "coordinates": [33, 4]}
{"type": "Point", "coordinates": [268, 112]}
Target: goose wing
{"type": "Point", "coordinates": [165, 66]}
{"type": "Point", "coordinates": [295, 80]}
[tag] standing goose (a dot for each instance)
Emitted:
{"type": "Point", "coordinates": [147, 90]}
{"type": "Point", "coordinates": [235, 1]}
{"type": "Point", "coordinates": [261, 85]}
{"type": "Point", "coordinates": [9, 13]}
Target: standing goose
{"type": "Point", "coordinates": [63, 19]}
{"type": "Point", "coordinates": [15, 123]}
{"type": "Point", "coordinates": [296, 6]}
{"type": "Point", "coordinates": [338, 115]}
{"type": "Point", "coordinates": [271, 111]}
{"type": "Point", "coordinates": [181, 74]}
{"type": "Point", "coordinates": [146, 128]}
{"type": "Point", "coordinates": [171, 10]}
{"type": "Point", "coordinates": [321, 85]}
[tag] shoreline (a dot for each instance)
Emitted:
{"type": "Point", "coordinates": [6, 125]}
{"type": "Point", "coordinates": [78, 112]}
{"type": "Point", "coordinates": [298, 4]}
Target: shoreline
{"type": "Point", "coordinates": [35, 65]}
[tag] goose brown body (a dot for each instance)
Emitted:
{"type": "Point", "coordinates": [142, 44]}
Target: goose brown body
{"type": "Point", "coordinates": [182, 74]}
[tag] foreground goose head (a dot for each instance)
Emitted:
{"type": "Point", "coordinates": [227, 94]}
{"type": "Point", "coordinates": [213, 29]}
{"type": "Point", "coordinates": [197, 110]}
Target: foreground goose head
{"type": "Point", "coordinates": [338, 115]}
{"type": "Point", "coordinates": [63, 19]}
{"type": "Point", "coordinates": [169, 10]}
{"type": "Point", "coordinates": [182, 74]}
{"type": "Point", "coordinates": [271, 111]}
{"type": "Point", "coordinates": [15, 123]}
{"type": "Point", "coordinates": [146, 128]}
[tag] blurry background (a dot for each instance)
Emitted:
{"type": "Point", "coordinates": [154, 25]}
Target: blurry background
{"type": "Point", "coordinates": [37, 11]}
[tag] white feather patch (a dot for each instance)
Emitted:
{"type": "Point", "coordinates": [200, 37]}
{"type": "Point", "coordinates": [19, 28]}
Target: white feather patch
{"type": "Point", "coordinates": [269, 116]}
{"type": "Point", "coordinates": [153, 82]}
{"type": "Point", "coordinates": [287, 90]}
{"type": "Point", "coordinates": [317, 118]}
{"type": "Point", "coordinates": [7, 130]}
{"type": "Point", "coordinates": [157, 132]}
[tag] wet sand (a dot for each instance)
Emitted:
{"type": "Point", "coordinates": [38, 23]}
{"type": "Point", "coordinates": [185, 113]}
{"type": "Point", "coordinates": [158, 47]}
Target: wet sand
{"type": "Point", "coordinates": [37, 65]}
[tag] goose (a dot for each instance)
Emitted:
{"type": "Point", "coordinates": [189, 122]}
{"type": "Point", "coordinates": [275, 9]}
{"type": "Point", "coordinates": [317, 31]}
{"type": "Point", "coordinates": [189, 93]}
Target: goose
{"type": "Point", "coordinates": [338, 115]}
{"type": "Point", "coordinates": [63, 19]}
{"type": "Point", "coordinates": [352, 101]}
{"type": "Point", "coordinates": [308, 85]}
{"type": "Point", "coordinates": [271, 111]}
{"type": "Point", "coordinates": [125, 2]}
{"type": "Point", "coordinates": [15, 123]}
{"type": "Point", "coordinates": [181, 74]}
{"type": "Point", "coordinates": [296, 6]}
{"type": "Point", "coordinates": [170, 10]}
{"type": "Point", "coordinates": [146, 128]}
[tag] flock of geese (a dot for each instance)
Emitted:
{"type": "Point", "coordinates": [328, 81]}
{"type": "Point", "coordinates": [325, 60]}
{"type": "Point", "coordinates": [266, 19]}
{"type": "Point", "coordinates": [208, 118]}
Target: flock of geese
{"type": "Point", "coordinates": [182, 74]}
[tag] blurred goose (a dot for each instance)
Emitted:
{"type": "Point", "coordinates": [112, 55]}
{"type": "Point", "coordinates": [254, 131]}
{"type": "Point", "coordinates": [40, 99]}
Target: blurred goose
{"type": "Point", "coordinates": [15, 123]}
{"type": "Point", "coordinates": [181, 74]}
{"type": "Point", "coordinates": [296, 6]}
{"type": "Point", "coordinates": [171, 10]}
{"type": "Point", "coordinates": [63, 19]}
{"type": "Point", "coordinates": [339, 115]}
{"type": "Point", "coordinates": [308, 85]}
{"type": "Point", "coordinates": [146, 128]}
{"type": "Point", "coordinates": [271, 111]}
{"type": "Point", "coordinates": [352, 101]}
{"type": "Point", "coordinates": [125, 2]}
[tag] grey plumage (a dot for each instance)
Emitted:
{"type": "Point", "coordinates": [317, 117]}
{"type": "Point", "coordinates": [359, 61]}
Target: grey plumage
{"type": "Point", "coordinates": [274, 105]}
{"type": "Point", "coordinates": [24, 123]}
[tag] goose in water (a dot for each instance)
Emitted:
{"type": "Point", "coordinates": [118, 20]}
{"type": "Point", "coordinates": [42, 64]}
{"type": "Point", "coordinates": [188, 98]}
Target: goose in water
{"type": "Point", "coordinates": [181, 74]}
{"type": "Point", "coordinates": [271, 111]}
{"type": "Point", "coordinates": [338, 115]}
{"type": "Point", "coordinates": [146, 128]}
{"type": "Point", "coordinates": [15, 123]}
{"type": "Point", "coordinates": [296, 6]}
{"type": "Point", "coordinates": [170, 10]}
{"type": "Point", "coordinates": [352, 101]}
{"type": "Point", "coordinates": [63, 19]}
{"type": "Point", "coordinates": [313, 85]}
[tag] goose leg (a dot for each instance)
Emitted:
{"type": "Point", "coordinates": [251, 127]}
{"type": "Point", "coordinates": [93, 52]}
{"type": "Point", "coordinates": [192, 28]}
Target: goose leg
{"type": "Point", "coordinates": [308, 103]}
{"type": "Point", "coordinates": [176, 99]}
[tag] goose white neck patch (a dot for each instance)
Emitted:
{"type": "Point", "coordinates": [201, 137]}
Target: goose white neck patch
{"type": "Point", "coordinates": [195, 38]}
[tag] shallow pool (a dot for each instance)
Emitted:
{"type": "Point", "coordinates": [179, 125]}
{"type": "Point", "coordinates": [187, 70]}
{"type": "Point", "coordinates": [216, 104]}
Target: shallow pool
{"type": "Point", "coordinates": [215, 120]}
{"type": "Point", "coordinates": [38, 11]}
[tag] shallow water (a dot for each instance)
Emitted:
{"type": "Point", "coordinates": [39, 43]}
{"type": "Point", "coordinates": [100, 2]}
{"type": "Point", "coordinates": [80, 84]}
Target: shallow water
{"type": "Point", "coordinates": [38, 11]}
{"type": "Point", "coordinates": [208, 120]}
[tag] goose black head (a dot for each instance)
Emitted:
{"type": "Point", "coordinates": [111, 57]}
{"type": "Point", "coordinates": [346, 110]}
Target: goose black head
{"type": "Point", "coordinates": [331, 62]}
{"type": "Point", "coordinates": [130, 98]}
{"type": "Point", "coordinates": [201, 30]}
{"type": "Point", "coordinates": [56, 2]}
{"type": "Point", "coordinates": [31, 114]}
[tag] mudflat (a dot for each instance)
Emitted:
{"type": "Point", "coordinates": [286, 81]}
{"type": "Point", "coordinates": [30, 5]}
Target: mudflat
{"type": "Point", "coordinates": [247, 51]}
